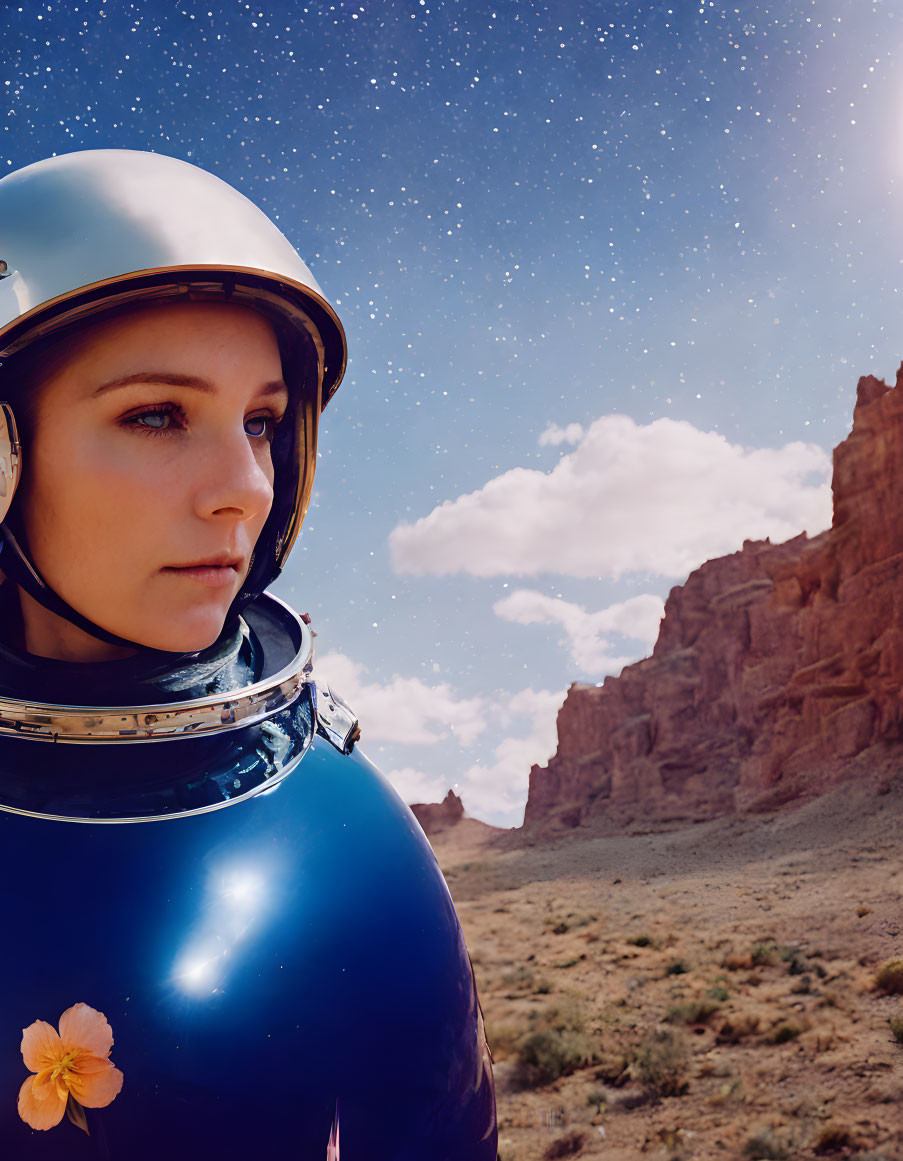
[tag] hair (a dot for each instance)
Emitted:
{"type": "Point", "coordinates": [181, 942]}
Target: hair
{"type": "Point", "coordinates": [24, 374]}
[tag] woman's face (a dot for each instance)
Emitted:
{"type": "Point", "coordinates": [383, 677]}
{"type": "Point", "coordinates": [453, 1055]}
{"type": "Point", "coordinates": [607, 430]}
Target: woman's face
{"type": "Point", "coordinates": [148, 477]}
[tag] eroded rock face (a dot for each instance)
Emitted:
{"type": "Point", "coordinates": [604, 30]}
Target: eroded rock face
{"type": "Point", "coordinates": [774, 666]}
{"type": "Point", "coordinates": [436, 816]}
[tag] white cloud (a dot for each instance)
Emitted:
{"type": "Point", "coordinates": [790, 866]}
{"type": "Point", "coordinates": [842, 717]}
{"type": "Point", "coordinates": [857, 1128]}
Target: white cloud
{"type": "Point", "coordinates": [514, 729]}
{"type": "Point", "coordinates": [588, 635]}
{"type": "Point", "coordinates": [659, 498]}
{"type": "Point", "coordinates": [556, 435]}
{"type": "Point", "coordinates": [417, 786]}
{"type": "Point", "coordinates": [405, 709]}
{"type": "Point", "coordinates": [495, 790]}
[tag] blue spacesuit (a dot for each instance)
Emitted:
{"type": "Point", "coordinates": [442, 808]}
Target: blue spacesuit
{"type": "Point", "coordinates": [197, 862]}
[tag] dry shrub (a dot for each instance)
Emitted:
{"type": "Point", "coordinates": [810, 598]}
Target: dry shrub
{"type": "Point", "coordinates": [889, 977]}
{"type": "Point", "coordinates": [763, 954]}
{"type": "Point", "coordinates": [787, 1030]}
{"type": "Point", "coordinates": [731, 1090]}
{"type": "Point", "coordinates": [660, 1062]}
{"type": "Point", "coordinates": [797, 963]}
{"type": "Point", "coordinates": [833, 1137]}
{"type": "Point", "coordinates": [766, 1145]}
{"type": "Point", "coordinates": [613, 1068]}
{"type": "Point", "coordinates": [503, 1038]}
{"type": "Point", "coordinates": [693, 1012]}
{"type": "Point", "coordinates": [896, 1024]}
{"type": "Point", "coordinates": [557, 1046]}
{"type": "Point", "coordinates": [675, 1144]}
{"type": "Point", "coordinates": [835, 997]}
{"type": "Point", "coordinates": [738, 1027]}
{"type": "Point", "coordinates": [522, 978]}
{"type": "Point", "coordinates": [560, 926]}
{"type": "Point", "coordinates": [566, 1146]}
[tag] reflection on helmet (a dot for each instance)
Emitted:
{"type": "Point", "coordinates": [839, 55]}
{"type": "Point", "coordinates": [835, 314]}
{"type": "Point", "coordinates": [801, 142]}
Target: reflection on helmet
{"type": "Point", "coordinates": [90, 233]}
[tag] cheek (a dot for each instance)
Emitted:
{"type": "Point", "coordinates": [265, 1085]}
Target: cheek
{"type": "Point", "coordinates": [91, 505]}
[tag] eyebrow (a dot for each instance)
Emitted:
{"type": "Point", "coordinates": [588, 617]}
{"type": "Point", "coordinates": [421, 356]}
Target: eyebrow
{"type": "Point", "coordinates": [276, 387]}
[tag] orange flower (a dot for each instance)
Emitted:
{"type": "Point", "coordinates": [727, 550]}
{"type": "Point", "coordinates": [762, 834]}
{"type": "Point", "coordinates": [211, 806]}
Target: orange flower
{"type": "Point", "coordinates": [76, 1062]}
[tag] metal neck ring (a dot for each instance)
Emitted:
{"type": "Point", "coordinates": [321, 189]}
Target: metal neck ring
{"type": "Point", "coordinates": [215, 714]}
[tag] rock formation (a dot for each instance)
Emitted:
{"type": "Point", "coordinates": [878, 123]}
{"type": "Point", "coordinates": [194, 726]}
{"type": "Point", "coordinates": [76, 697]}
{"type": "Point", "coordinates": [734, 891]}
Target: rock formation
{"type": "Point", "coordinates": [774, 666]}
{"type": "Point", "coordinates": [436, 816]}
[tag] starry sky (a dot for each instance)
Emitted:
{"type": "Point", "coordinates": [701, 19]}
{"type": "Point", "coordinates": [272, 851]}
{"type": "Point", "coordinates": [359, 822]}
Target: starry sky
{"type": "Point", "coordinates": [609, 271]}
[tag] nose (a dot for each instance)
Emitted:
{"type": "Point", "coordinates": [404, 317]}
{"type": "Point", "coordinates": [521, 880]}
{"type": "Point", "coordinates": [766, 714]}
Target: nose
{"type": "Point", "coordinates": [234, 479]}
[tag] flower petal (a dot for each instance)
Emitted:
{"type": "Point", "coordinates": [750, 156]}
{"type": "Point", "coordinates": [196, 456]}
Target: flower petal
{"type": "Point", "coordinates": [87, 1063]}
{"type": "Point", "coordinates": [98, 1089]}
{"type": "Point", "coordinates": [43, 1114]}
{"type": "Point", "coordinates": [40, 1045]}
{"type": "Point", "coordinates": [84, 1027]}
{"type": "Point", "coordinates": [43, 1083]}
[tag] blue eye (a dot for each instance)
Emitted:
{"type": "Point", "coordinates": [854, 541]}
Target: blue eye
{"type": "Point", "coordinates": [167, 417]}
{"type": "Point", "coordinates": [158, 420]}
{"type": "Point", "coordinates": [260, 425]}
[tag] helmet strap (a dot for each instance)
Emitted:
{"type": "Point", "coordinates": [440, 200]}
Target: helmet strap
{"type": "Point", "coordinates": [19, 569]}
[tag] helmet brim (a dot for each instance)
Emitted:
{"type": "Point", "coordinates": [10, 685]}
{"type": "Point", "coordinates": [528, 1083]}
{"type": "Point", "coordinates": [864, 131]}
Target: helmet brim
{"type": "Point", "coordinates": [273, 295]}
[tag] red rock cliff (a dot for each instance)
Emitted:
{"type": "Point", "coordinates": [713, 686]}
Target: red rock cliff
{"type": "Point", "coordinates": [437, 816]}
{"type": "Point", "coordinates": [773, 667]}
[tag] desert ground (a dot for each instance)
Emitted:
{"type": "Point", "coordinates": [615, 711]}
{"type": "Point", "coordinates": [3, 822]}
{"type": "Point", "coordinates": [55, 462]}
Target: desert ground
{"type": "Point", "coordinates": [710, 990]}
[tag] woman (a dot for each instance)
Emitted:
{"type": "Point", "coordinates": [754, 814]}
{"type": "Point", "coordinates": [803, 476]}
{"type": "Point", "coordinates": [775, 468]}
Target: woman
{"type": "Point", "coordinates": [214, 948]}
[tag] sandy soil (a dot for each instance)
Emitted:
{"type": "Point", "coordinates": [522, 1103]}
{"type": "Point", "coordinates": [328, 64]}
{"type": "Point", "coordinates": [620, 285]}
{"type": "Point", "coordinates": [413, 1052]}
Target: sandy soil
{"type": "Point", "coordinates": [707, 991]}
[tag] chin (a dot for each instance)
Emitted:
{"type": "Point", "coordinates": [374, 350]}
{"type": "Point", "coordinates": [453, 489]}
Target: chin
{"type": "Point", "coordinates": [185, 635]}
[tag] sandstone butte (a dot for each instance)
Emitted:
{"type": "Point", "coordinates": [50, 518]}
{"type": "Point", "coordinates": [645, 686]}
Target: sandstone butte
{"type": "Point", "coordinates": [436, 816]}
{"type": "Point", "coordinates": [777, 671]}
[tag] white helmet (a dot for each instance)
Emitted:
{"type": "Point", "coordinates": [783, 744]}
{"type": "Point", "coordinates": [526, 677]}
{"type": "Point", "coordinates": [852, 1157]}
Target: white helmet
{"type": "Point", "coordinates": [89, 232]}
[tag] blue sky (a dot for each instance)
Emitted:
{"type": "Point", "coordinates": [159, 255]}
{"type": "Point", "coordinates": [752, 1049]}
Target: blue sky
{"type": "Point", "coordinates": [609, 272]}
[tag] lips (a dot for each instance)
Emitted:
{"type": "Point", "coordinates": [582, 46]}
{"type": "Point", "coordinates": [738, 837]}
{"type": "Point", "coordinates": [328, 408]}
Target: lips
{"type": "Point", "coordinates": [213, 572]}
{"type": "Point", "coordinates": [221, 561]}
